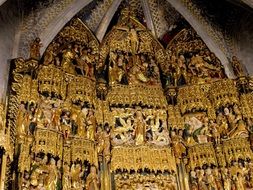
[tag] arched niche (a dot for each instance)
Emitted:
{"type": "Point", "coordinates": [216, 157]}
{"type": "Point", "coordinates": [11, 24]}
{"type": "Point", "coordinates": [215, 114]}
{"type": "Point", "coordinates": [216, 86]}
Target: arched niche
{"type": "Point", "coordinates": [131, 41]}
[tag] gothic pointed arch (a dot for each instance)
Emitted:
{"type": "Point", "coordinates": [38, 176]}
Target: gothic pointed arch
{"type": "Point", "coordinates": [190, 60]}
{"type": "Point", "coordinates": [73, 54]}
{"type": "Point", "coordinates": [88, 116]}
{"type": "Point", "coordinates": [133, 38]}
{"type": "Point", "coordinates": [132, 57]}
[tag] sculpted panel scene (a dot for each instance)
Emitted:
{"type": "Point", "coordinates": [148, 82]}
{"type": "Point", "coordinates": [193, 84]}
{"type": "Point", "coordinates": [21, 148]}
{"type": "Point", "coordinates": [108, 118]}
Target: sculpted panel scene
{"type": "Point", "coordinates": [126, 114]}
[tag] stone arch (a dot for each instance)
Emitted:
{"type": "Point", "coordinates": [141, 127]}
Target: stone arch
{"type": "Point", "coordinates": [47, 34]}
{"type": "Point", "coordinates": [51, 28]}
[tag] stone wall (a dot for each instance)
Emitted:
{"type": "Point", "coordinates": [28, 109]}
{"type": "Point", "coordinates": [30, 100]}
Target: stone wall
{"type": "Point", "coordinates": [244, 40]}
{"type": "Point", "coordinates": [8, 24]}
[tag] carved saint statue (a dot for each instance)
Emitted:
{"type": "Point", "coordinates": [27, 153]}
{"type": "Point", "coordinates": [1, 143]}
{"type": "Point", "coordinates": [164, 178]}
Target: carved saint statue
{"type": "Point", "coordinates": [66, 181]}
{"type": "Point", "coordinates": [237, 67]}
{"type": "Point", "coordinates": [76, 174]}
{"type": "Point", "coordinates": [35, 49]}
{"type": "Point", "coordinates": [103, 140]}
{"type": "Point", "coordinates": [22, 120]}
{"type": "Point", "coordinates": [67, 57]}
{"type": "Point", "coordinates": [117, 67]}
{"type": "Point", "coordinates": [81, 122]}
{"type": "Point", "coordinates": [91, 125]}
{"type": "Point", "coordinates": [49, 56]}
{"type": "Point", "coordinates": [132, 38]}
{"type": "Point", "coordinates": [51, 179]}
{"type": "Point", "coordinates": [92, 182]}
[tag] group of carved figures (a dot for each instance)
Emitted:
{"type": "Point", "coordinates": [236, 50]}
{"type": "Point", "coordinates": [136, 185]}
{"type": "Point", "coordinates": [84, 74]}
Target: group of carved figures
{"type": "Point", "coordinates": [139, 128]}
{"type": "Point", "coordinates": [198, 128]}
{"type": "Point", "coordinates": [196, 65]}
{"type": "Point", "coordinates": [125, 68]}
{"type": "Point", "coordinates": [74, 59]}
{"type": "Point", "coordinates": [150, 182]}
{"type": "Point", "coordinates": [193, 68]}
{"type": "Point", "coordinates": [134, 128]}
{"type": "Point", "coordinates": [238, 176]}
{"type": "Point", "coordinates": [50, 113]}
{"type": "Point", "coordinates": [48, 173]}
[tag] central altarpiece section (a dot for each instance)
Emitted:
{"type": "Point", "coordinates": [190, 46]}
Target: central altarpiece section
{"type": "Point", "coordinates": [127, 114]}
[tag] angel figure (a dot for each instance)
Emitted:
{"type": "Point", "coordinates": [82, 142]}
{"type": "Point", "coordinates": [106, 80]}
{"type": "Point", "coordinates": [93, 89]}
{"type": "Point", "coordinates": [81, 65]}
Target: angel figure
{"type": "Point", "coordinates": [161, 137]}
{"type": "Point", "coordinates": [126, 125]}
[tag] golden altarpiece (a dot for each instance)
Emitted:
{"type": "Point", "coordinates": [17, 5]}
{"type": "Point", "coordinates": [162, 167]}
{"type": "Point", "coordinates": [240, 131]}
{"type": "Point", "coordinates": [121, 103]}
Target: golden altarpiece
{"type": "Point", "coordinates": [126, 113]}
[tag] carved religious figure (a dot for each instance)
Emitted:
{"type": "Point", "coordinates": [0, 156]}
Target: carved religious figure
{"type": "Point", "coordinates": [92, 181]}
{"type": "Point", "coordinates": [116, 68]}
{"type": "Point", "coordinates": [35, 49]}
{"type": "Point", "coordinates": [67, 60]}
{"type": "Point", "coordinates": [22, 120]}
{"type": "Point", "coordinates": [81, 122]}
{"type": "Point", "coordinates": [140, 128]}
{"type": "Point", "coordinates": [91, 125]}
{"type": "Point", "coordinates": [132, 38]}
{"type": "Point", "coordinates": [52, 177]}
{"type": "Point", "coordinates": [66, 181]}
{"type": "Point", "coordinates": [76, 176]}
{"type": "Point", "coordinates": [237, 67]}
